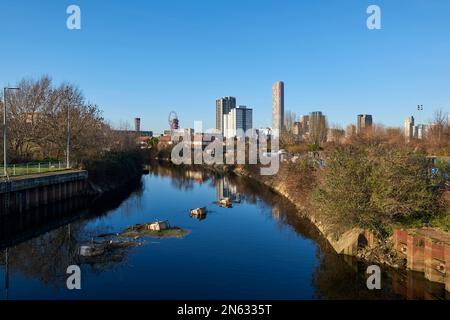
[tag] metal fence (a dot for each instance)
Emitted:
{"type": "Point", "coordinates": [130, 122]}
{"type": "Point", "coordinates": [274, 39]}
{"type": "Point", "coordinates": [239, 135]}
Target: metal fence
{"type": "Point", "coordinates": [21, 169]}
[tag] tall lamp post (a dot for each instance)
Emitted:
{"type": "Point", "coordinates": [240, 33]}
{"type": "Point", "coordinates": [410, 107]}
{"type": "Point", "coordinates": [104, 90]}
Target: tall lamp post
{"type": "Point", "coordinates": [68, 139]}
{"type": "Point", "coordinates": [420, 108]}
{"type": "Point", "coordinates": [5, 130]}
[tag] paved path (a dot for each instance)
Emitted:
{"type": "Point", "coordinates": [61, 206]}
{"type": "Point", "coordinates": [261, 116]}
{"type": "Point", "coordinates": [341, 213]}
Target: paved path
{"type": "Point", "coordinates": [39, 175]}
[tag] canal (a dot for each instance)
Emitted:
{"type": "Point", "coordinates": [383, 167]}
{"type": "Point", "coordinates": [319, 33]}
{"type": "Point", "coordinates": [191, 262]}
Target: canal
{"type": "Point", "coordinates": [257, 249]}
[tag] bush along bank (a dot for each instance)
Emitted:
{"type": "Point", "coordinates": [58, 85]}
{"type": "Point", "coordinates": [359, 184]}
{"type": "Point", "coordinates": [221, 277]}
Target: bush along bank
{"type": "Point", "coordinates": [365, 191]}
{"type": "Point", "coordinates": [113, 170]}
{"type": "Point", "coordinates": [362, 195]}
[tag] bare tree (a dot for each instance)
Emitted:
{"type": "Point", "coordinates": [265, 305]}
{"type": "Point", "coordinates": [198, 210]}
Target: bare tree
{"type": "Point", "coordinates": [318, 130]}
{"type": "Point", "coordinates": [289, 120]}
{"type": "Point", "coordinates": [38, 122]}
{"type": "Point", "coordinates": [436, 129]}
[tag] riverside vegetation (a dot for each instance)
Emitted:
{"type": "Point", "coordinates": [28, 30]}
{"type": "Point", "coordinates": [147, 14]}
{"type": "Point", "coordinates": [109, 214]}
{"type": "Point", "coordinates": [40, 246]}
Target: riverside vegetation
{"type": "Point", "coordinates": [374, 183]}
{"type": "Point", "coordinates": [39, 116]}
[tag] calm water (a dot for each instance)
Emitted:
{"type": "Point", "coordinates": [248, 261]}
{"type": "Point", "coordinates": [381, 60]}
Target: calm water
{"type": "Point", "coordinates": [259, 249]}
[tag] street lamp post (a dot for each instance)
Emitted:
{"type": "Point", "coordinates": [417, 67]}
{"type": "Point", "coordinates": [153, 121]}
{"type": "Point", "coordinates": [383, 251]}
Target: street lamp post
{"type": "Point", "coordinates": [5, 130]}
{"type": "Point", "coordinates": [68, 139]}
{"type": "Point", "coordinates": [420, 108]}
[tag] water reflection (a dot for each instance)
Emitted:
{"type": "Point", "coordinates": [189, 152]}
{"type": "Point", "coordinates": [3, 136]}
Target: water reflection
{"type": "Point", "coordinates": [40, 244]}
{"type": "Point", "coordinates": [226, 189]}
{"type": "Point", "coordinates": [336, 276]}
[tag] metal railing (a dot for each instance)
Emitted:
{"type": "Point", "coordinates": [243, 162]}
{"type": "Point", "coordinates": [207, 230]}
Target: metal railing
{"type": "Point", "coordinates": [22, 169]}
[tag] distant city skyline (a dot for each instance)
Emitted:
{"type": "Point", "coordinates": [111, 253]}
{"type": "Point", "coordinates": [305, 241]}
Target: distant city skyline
{"type": "Point", "coordinates": [148, 59]}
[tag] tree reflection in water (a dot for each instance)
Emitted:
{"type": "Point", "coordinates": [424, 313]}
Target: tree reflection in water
{"type": "Point", "coordinates": [40, 253]}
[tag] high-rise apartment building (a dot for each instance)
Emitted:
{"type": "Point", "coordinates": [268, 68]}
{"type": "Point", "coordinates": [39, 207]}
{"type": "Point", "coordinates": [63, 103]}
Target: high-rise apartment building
{"type": "Point", "coordinates": [409, 128]}
{"type": "Point", "coordinates": [237, 119]}
{"type": "Point", "coordinates": [278, 106]}
{"type": "Point", "coordinates": [137, 124]}
{"type": "Point", "coordinates": [363, 123]}
{"type": "Point", "coordinates": [304, 124]}
{"type": "Point", "coordinates": [420, 131]}
{"type": "Point", "coordinates": [317, 124]}
{"type": "Point", "coordinates": [297, 128]}
{"type": "Point", "coordinates": [223, 106]}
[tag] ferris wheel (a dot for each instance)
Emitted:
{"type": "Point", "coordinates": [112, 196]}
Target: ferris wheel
{"type": "Point", "coordinates": [173, 121]}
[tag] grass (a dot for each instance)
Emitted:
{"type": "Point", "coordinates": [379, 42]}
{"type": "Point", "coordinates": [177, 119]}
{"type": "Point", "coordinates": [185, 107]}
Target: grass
{"type": "Point", "coordinates": [173, 232]}
{"type": "Point", "coordinates": [33, 168]}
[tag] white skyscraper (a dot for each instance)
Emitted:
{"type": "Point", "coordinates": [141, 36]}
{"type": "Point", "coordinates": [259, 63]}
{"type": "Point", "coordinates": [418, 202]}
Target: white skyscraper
{"type": "Point", "coordinates": [238, 118]}
{"type": "Point", "coordinates": [420, 131]}
{"type": "Point", "coordinates": [409, 128]}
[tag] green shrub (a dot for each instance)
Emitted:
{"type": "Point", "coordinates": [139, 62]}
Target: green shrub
{"type": "Point", "coordinates": [373, 186]}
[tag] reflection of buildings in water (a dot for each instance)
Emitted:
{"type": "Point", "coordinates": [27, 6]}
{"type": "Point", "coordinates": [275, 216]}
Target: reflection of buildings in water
{"type": "Point", "coordinates": [179, 175]}
{"type": "Point", "coordinates": [195, 175]}
{"type": "Point", "coordinates": [276, 212]}
{"type": "Point", "coordinates": [225, 189]}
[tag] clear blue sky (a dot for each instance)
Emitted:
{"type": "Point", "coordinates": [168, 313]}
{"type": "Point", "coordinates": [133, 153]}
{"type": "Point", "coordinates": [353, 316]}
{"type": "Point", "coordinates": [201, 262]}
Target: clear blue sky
{"type": "Point", "coordinates": [146, 57]}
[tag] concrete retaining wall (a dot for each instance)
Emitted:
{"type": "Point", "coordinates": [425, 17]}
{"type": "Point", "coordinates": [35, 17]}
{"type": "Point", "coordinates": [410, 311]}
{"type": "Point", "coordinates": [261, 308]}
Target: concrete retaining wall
{"type": "Point", "coordinates": [23, 193]}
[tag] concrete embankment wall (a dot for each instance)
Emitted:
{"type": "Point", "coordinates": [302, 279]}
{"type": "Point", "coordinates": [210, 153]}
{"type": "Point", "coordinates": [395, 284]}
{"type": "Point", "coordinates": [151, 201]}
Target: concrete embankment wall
{"type": "Point", "coordinates": [346, 243]}
{"type": "Point", "coordinates": [23, 193]}
{"type": "Point", "coordinates": [426, 250]}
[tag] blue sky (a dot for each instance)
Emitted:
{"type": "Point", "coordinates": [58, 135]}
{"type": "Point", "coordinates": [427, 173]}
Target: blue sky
{"type": "Point", "coordinates": [146, 57]}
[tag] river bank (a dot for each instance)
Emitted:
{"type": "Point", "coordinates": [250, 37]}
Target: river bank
{"type": "Point", "coordinates": [406, 248]}
{"type": "Point", "coordinates": [355, 242]}
{"type": "Point", "coordinates": [113, 171]}
{"type": "Point", "coordinates": [421, 249]}
{"type": "Point", "coordinates": [260, 237]}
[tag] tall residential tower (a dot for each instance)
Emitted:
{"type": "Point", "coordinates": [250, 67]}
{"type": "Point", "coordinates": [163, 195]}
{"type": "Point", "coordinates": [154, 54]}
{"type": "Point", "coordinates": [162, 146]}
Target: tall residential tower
{"type": "Point", "coordinates": [137, 124]}
{"type": "Point", "coordinates": [237, 119]}
{"type": "Point", "coordinates": [409, 128]}
{"type": "Point", "coordinates": [278, 106]}
{"type": "Point", "coordinates": [223, 106]}
{"type": "Point", "coordinates": [363, 123]}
